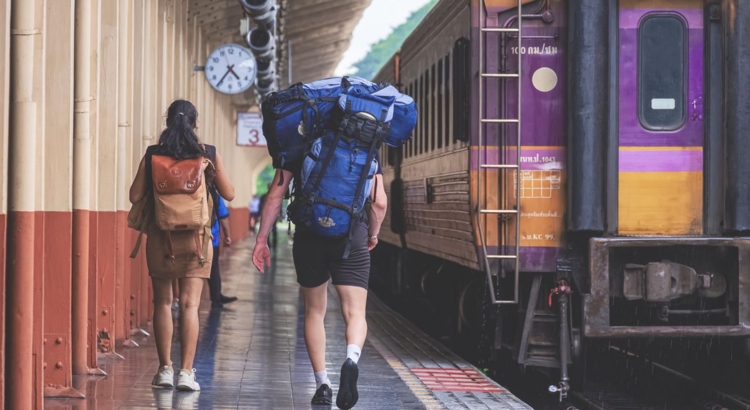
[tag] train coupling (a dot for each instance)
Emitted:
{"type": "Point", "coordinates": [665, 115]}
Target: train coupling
{"type": "Point", "coordinates": [665, 281]}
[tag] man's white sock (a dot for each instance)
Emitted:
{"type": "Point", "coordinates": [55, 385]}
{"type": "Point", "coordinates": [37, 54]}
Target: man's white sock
{"type": "Point", "coordinates": [353, 352]}
{"type": "Point", "coordinates": [321, 378]}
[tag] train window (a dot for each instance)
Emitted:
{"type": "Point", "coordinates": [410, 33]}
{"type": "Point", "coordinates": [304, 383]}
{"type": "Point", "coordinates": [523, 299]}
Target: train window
{"type": "Point", "coordinates": [447, 95]}
{"type": "Point", "coordinates": [434, 113]}
{"type": "Point", "coordinates": [461, 84]}
{"type": "Point", "coordinates": [439, 97]}
{"type": "Point", "coordinates": [415, 133]}
{"type": "Point", "coordinates": [662, 74]}
{"type": "Point", "coordinates": [424, 80]}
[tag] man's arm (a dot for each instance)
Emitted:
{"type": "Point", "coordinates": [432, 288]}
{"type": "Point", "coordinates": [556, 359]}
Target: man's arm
{"type": "Point", "coordinates": [377, 210]}
{"type": "Point", "coordinates": [271, 207]}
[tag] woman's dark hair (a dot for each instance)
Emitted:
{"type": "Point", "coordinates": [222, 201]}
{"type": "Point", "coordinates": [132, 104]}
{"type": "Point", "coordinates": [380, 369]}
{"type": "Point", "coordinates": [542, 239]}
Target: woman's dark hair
{"type": "Point", "coordinates": [179, 140]}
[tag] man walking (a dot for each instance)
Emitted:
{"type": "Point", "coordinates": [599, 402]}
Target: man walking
{"type": "Point", "coordinates": [318, 259]}
{"type": "Point", "coordinates": [214, 282]}
{"type": "Point", "coordinates": [254, 209]}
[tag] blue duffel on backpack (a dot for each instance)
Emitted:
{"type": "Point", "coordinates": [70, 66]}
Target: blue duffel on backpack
{"type": "Point", "coordinates": [292, 118]}
{"type": "Point", "coordinates": [338, 171]}
{"type": "Point", "coordinates": [403, 118]}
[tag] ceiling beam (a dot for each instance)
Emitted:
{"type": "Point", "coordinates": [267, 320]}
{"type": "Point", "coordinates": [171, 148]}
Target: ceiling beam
{"type": "Point", "coordinates": [308, 24]}
{"type": "Point", "coordinates": [311, 26]}
{"type": "Point", "coordinates": [328, 32]}
{"type": "Point", "coordinates": [304, 7]}
{"type": "Point", "coordinates": [233, 13]}
{"type": "Point", "coordinates": [205, 6]}
{"type": "Point", "coordinates": [320, 48]}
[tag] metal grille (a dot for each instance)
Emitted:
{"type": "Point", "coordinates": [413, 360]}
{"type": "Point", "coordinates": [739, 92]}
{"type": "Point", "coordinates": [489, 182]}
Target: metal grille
{"type": "Point", "coordinates": [455, 380]}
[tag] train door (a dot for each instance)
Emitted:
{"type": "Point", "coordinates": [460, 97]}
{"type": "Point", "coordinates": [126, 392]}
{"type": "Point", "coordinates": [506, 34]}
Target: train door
{"type": "Point", "coordinates": [661, 132]}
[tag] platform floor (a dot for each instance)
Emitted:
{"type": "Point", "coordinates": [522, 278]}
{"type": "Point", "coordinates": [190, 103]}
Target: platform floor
{"type": "Point", "coordinates": [251, 355]}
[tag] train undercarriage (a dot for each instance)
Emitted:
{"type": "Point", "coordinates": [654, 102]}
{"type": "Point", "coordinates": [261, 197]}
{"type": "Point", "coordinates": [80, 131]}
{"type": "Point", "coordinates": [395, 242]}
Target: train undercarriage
{"type": "Point", "coordinates": [682, 301]}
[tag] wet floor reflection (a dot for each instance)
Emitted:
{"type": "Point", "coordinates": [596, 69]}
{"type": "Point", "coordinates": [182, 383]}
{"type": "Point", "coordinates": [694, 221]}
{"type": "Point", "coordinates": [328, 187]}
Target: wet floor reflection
{"type": "Point", "coordinates": [250, 355]}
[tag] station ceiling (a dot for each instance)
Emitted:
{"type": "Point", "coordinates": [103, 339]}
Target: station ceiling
{"type": "Point", "coordinates": [315, 32]}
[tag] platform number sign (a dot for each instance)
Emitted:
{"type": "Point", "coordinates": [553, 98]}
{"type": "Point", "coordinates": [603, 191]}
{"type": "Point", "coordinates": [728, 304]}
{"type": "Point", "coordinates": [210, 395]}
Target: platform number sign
{"type": "Point", "coordinates": [250, 130]}
{"type": "Point", "coordinates": [231, 69]}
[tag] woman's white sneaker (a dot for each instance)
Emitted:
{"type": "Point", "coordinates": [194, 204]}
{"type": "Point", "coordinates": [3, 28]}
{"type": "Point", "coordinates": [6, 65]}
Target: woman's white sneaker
{"type": "Point", "coordinates": [164, 377]}
{"type": "Point", "coordinates": [186, 381]}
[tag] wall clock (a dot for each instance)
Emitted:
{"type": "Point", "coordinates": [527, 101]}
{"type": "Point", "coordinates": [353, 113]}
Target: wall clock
{"type": "Point", "coordinates": [231, 69]}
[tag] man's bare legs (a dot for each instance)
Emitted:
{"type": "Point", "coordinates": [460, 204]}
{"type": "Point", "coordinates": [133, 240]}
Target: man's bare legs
{"type": "Point", "coordinates": [316, 300]}
{"type": "Point", "coordinates": [353, 304]}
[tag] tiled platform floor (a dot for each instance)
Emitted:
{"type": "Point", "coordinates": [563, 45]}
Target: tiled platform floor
{"type": "Point", "coordinates": [251, 355]}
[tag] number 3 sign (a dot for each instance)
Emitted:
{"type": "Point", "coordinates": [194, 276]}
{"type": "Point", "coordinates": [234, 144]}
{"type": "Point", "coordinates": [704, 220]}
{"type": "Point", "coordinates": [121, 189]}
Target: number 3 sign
{"type": "Point", "coordinates": [250, 130]}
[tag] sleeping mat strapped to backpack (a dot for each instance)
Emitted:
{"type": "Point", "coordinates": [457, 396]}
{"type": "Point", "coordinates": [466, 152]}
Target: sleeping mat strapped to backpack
{"type": "Point", "coordinates": [293, 118]}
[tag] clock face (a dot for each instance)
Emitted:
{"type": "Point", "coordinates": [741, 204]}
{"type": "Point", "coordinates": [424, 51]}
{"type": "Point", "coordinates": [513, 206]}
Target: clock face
{"type": "Point", "coordinates": [231, 69]}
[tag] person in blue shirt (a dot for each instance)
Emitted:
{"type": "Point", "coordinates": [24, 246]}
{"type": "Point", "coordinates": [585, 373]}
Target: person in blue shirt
{"type": "Point", "coordinates": [214, 283]}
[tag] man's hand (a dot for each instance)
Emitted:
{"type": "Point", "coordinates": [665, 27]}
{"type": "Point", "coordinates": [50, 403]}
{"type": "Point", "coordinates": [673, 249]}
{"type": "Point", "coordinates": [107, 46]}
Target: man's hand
{"type": "Point", "coordinates": [227, 241]}
{"type": "Point", "coordinates": [371, 243]}
{"type": "Point", "coordinates": [261, 256]}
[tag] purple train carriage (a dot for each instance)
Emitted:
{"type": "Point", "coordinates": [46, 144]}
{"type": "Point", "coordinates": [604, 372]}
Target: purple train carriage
{"type": "Point", "coordinates": [605, 198]}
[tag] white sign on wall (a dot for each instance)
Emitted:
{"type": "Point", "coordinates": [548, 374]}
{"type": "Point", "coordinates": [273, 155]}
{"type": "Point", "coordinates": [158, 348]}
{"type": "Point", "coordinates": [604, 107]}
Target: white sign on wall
{"type": "Point", "coordinates": [250, 130]}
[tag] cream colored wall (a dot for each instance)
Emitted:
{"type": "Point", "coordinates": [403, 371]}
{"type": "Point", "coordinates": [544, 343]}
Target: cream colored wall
{"type": "Point", "coordinates": [57, 164]}
{"type": "Point", "coordinates": [163, 44]}
{"type": "Point", "coordinates": [105, 139]}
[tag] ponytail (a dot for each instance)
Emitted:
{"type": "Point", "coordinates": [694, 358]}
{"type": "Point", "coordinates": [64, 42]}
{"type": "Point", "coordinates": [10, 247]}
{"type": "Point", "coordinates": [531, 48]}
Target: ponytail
{"type": "Point", "coordinates": [179, 140]}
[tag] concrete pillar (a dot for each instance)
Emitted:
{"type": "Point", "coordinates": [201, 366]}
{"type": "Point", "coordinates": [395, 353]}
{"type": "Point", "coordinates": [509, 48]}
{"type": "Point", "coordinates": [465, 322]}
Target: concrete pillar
{"type": "Point", "coordinates": [81, 183]}
{"type": "Point", "coordinates": [122, 184]}
{"type": "Point", "coordinates": [57, 215]}
{"type": "Point", "coordinates": [20, 370]}
{"type": "Point", "coordinates": [4, 104]}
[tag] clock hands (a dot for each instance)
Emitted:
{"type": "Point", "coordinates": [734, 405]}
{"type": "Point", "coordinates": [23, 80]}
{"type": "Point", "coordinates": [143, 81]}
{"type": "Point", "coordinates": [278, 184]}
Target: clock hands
{"type": "Point", "coordinates": [229, 69]}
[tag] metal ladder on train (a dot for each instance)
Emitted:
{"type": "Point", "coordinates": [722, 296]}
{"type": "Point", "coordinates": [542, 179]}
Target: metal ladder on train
{"type": "Point", "coordinates": [500, 166]}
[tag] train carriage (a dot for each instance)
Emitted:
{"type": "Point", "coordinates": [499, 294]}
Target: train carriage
{"type": "Point", "coordinates": [591, 165]}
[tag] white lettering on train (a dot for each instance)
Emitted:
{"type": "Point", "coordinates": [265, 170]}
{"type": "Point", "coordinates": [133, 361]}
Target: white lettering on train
{"type": "Point", "coordinates": [544, 50]}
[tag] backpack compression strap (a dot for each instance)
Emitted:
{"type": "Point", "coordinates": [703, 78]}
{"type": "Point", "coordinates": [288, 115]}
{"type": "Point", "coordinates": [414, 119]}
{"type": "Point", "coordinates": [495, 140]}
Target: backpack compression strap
{"type": "Point", "coordinates": [379, 136]}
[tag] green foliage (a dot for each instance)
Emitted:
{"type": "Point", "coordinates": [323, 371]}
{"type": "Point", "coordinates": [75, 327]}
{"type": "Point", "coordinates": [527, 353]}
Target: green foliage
{"type": "Point", "coordinates": [265, 178]}
{"type": "Point", "coordinates": [384, 49]}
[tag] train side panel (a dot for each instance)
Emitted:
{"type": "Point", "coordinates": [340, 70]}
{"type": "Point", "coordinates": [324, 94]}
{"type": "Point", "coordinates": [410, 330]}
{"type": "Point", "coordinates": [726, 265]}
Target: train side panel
{"type": "Point", "coordinates": [434, 165]}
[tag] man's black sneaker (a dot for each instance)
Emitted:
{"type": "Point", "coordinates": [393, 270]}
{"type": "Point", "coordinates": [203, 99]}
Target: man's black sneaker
{"type": "Point", "coordinates": [228, 299]}
{"type": "Point", "coordinates": [348, 396]}
{"type": "Point", "coordinates": [324, 395]}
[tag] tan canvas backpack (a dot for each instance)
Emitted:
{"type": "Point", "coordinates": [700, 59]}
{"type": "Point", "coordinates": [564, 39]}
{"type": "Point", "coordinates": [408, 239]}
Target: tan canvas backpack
{"type": "Point", "coordinates": [181, 200]}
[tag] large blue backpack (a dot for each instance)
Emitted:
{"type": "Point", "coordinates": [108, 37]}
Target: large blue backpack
{"type": "Point", "coordinates": [294, 117]}
{"type": "Point", "coordinates": [337, 173]}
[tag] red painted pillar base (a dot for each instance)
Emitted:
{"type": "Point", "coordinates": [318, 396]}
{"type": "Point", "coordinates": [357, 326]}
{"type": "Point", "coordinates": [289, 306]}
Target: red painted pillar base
{"type": "Point", "coordinates": [58, 234]}
{"type": "Point", "coordinates": [20, 315]}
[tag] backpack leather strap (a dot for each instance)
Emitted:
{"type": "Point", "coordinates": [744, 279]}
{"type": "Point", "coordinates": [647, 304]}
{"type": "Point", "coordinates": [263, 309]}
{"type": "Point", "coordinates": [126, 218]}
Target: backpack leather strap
{"type": "Point", "coordinates": [137, 246]}
{"type": "Point", "coordinates": [198, 248]}
{"type": "Point", "coordinates": [170, 251]}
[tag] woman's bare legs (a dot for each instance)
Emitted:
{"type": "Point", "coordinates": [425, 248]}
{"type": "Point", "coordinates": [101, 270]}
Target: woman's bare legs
{"type": "Point", "coordinates": [190, 299]}
{"type": "Point", "coordinates": [163, 319]}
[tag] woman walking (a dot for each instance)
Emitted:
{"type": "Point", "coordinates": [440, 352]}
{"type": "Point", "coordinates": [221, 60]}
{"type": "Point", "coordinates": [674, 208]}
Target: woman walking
{"type": "Point", "coordinates": [179, 254]}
